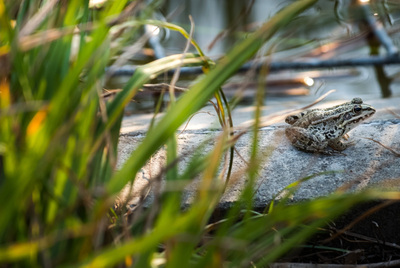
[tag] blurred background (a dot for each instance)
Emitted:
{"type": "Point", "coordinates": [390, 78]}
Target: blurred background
{"type": "Point", "coordinates": [330, 30]}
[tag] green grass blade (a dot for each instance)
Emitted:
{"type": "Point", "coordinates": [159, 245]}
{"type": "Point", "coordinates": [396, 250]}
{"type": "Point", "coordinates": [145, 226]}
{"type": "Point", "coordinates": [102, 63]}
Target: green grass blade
{"type": "Point", "coordinates": [201, 92]}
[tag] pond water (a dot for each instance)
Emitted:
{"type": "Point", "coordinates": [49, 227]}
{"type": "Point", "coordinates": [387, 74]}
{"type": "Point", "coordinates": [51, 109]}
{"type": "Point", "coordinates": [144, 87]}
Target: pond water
{"type": "Point", "coordinates": [220, 24]}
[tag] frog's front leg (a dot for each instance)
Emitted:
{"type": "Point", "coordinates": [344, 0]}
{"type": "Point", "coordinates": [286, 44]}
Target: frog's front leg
{"type": "Point", "coordinates": [307, 141]}
{"type": "Point", "coordinates": [339, 145]}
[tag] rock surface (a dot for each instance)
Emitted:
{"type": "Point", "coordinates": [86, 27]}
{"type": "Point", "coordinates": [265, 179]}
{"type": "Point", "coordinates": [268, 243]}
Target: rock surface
{"type": "Point", "coordinates": [365, 164]}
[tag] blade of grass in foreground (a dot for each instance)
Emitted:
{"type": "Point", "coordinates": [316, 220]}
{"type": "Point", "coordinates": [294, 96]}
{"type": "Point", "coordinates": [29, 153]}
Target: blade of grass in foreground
{"type": "Point", "coordinates": [320, 210]}
{"type": "Point", "coordinates": [201, 92]}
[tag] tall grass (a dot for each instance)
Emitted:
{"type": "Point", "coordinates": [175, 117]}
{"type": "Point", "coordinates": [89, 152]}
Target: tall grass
{"type": "Point", "coordinates": [58, 149]}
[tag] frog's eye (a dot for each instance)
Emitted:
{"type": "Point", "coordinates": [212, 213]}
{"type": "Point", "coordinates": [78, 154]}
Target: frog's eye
{"type": "Point", "coordinates": [357, 109]}
{"type": "Point", "coordinates": [357, 101]}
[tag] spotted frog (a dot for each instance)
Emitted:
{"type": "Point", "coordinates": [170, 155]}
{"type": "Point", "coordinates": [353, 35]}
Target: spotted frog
{"type": "Point", "coordinates": [317, 129]}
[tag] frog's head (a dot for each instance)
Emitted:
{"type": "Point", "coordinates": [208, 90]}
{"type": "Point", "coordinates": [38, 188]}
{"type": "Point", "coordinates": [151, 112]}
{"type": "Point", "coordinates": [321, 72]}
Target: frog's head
{"type": "Point", "coordinates": [354, 113]}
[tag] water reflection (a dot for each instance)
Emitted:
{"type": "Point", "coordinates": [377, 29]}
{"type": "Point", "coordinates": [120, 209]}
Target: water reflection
{"type": "Point", "coordinates": [327, 29]}
{"type": "Point", "coordinates": [308, 81]}
{"type": "Point", "coordinates": [331, 29]}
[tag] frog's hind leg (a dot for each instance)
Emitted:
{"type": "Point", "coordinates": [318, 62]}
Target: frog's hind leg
{"type": "Point", "coordinates": [307, 141]}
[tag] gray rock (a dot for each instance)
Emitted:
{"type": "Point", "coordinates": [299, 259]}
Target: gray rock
{"type": "Point", "coordinates": [363, 165]}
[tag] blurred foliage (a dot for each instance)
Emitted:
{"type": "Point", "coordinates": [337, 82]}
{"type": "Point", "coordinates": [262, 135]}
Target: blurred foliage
{"type": "Point", "coordinates": [58, 148]}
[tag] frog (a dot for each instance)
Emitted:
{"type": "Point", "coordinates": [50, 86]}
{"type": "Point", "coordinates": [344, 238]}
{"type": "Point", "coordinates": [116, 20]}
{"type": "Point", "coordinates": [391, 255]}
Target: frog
{"type": "Point", "coordinates": [324, 130]}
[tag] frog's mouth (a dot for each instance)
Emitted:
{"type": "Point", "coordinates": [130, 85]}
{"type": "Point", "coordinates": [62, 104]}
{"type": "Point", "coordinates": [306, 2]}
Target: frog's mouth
{"type": "Point", "coordinates": [364, 116]}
